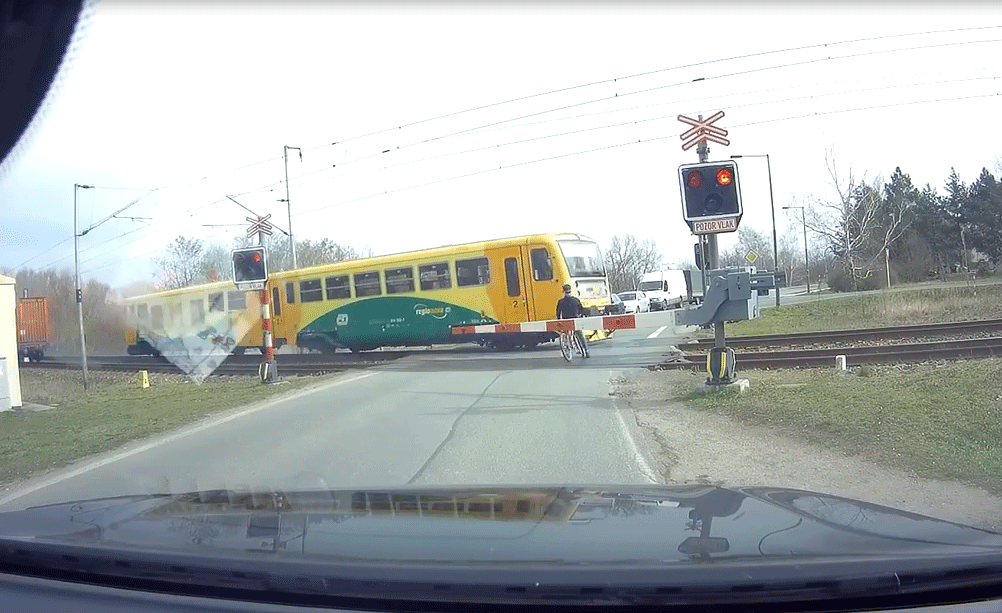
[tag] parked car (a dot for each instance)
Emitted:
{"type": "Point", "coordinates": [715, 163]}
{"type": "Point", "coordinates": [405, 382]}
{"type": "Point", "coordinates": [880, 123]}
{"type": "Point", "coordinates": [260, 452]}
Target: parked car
{"type": "Point", "coordinates": [636, 302]}
{"type": "Point", "coordinates": [616, 307]}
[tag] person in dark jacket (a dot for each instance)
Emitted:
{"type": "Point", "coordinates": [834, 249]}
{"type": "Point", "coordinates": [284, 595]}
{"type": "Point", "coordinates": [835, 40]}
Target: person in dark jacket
{"type": "Point", "coordinates": [569, 307]}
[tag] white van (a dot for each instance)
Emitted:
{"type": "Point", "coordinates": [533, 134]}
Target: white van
{"type": "Point", "coordinates": [665, 288]}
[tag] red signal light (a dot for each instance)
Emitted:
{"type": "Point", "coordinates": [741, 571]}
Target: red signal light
{"type": "Point", "coordinates": [694, 180]}
{"type": "Point", "coordinates": [724, 177]}
{"type": "Point", "coordinates": [257, 256]}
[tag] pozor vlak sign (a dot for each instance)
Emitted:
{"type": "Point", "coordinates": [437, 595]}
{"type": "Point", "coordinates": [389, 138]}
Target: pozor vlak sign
{"type": "Point", "coordinates": [711, 196]}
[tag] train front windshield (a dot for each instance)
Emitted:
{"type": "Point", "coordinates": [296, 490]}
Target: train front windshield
{"type": "Point", "coordinates": [584, 259]}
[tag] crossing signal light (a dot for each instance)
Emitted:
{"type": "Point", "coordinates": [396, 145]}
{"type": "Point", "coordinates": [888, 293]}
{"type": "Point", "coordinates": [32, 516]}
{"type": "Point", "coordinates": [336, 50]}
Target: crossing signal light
{"type": "Point", "coordinates": [250, 265]}
{"type": "Point", "coordinates": [710, 190]}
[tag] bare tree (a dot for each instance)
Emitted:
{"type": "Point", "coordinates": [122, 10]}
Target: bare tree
{"type": "Point", "coordinates": [627, 258]}
{"type": "Point", "coordinates": [216, 263]}
{"type": "Point", "coordinates": [749, 240]}
{"type": "Point", "coordinates": [308, 252]}
{"type": "Point", "coordinates": [859, 224]}
{"type": "Point", "coordinates": [181, 264]}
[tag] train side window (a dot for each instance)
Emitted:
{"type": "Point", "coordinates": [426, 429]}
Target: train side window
{"type": "Point", "coordinates": [174, 314]}
{"type": "Point", "coordinates": [290, 293]}
{"type": "Point", "coordinates": [216, 302]}
{"type": "Point", "coordinates": [542, 265]}
{"type": "Point", "coordinates": [143, 311]}
{"type": "Point", "coordinates": [157, 313]}
{"type": "Point", "coordinates": [367, 284]}
{"type": "Point", "coordinates": [276, 304]}
{"type": "Point", "coordinates": [399, 280]}
{"type": "Point", "coordinates": [310, 291]}
{"type": "Point", "coordinates": [435, 276]}
{"type": "Point", "coordinates": [475, 271]}
{"type": "Point", "coordinates": [338, 288]}
{"type": "Point", "coordinates": [197, 308]}
{"type": "Point", "coordinates": [236, 300]}
{"type": "Point", "coordinates": [511, 276]}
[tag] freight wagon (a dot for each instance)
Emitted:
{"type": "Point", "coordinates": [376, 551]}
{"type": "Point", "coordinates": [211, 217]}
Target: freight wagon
{"type": "Point", "coordinates": [33, 328]}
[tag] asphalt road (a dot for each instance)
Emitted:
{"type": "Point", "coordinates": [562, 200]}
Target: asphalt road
{"type": "Point", "coordinates": [475, 417]}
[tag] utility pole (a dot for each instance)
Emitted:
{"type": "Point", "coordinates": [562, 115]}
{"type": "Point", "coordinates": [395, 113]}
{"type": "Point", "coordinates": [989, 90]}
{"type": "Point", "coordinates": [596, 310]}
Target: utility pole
{"type": "Point", "coordinates": [807, 261]}
{"type": "Point", "coordinates": [772, 206]}
{"type": "Point", "coordinates": [76, 266]}
{"type": "Point", "coordinates": [887, 264]}
{"type": "Point", "coordinates": [288, 202]}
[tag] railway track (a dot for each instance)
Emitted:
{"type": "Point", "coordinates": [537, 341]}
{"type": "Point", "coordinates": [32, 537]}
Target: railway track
{"type": "Point", "coordinates": [890, 332]}
{"type": "Point", "coordinates": [880, 354]}
{"type": "Point", "coordinates": [294, 364]}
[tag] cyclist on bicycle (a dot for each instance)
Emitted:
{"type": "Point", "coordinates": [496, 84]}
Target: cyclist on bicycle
{"type": "Point", "coordinates": [569, 307]}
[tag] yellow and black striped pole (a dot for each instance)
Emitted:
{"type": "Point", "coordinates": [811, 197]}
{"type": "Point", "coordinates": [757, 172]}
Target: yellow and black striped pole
{"type": "Point", "coordinates": [720, 365]}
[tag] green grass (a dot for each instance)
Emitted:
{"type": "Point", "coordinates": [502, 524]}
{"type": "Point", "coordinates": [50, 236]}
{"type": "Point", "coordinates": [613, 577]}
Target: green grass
{"type": "Point", "coordinates": [894, 308]}
{"type": "Point", "coordinates": [939, 421]}
{"type": "Point", "coordinates": [111, 413]}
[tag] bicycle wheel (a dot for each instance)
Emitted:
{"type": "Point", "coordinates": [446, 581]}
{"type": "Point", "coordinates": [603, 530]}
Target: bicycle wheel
{"type": "Point", "coordinates": [565, 347]}
{"type": "Point", "coordinates": [578, 348]}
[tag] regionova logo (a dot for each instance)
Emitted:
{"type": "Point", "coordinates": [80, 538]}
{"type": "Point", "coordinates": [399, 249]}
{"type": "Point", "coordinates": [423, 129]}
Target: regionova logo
{"type": "Point", "coordinates": [436, 312]}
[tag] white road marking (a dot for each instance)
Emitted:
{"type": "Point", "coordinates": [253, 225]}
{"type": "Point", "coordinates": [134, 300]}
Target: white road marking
{"type": "Point", "coordinates": [86, 468]}
{"type": "Point", "coordinates": [656, 332]}
{"type": "Point", "coordinates": [638, 457]}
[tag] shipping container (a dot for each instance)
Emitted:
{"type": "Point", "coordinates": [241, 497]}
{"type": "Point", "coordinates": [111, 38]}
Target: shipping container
{"type": "Point", "coordinates": [33, 329]}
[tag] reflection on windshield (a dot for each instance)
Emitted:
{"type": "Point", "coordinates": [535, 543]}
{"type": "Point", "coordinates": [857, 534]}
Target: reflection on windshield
{"type": "Point", "coordinates": [584, 259]}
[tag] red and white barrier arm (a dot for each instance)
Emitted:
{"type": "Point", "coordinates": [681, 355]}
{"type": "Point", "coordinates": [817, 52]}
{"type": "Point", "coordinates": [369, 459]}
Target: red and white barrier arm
{"type": "Point", "coordinates": [598, 322]}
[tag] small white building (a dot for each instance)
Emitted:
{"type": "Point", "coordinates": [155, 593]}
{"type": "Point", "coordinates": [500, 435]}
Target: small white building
{"type": "Point", "coordinates": [8, 344]}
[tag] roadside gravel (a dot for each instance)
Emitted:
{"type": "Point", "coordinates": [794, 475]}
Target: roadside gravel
{"type": "Point", "coordinates": [693, 446]}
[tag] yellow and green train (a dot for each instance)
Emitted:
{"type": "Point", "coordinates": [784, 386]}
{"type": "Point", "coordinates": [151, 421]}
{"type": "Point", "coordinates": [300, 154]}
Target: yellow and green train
{"type": "Point", "coordinates": [406, 299]}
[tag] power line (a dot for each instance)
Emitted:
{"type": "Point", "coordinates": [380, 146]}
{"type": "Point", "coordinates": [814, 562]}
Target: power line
{"type": "Point", "coordinates": [866, 108]}
{"type": "Point", "coordinates": [34, 257]}
{"type": "Point", "coordinates": [602, 82]}
{"type": "Point", "coordinates": [574, 153]}
{"type": "Point", "coordinates": [652, 89]}
{"type": "Point", "coordinates": [637, 121]}
{"type": "Point", "coordinates": [644, 120]}
{"type": "Point", "coordinates": [679, 67]}
{"type": "Point", "coordinates": [726, 95]}
{"type": "Point", "coordinates": [479, 172]}
{"type": "Point", "coordinates": [486, 170]}
{"type": "Point", "coordinates": [616, 79]}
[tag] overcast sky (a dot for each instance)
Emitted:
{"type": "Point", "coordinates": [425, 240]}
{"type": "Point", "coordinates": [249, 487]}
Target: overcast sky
{"type": "Point", "coordinates": [165, 94]}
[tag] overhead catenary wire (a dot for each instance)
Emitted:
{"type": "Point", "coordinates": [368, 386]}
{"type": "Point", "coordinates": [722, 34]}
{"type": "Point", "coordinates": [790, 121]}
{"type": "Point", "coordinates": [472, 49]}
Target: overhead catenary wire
{"type": "Point", "coordinates": [493, 169]}
{"type": "Point", "coordinates": [634, 122]}
{"type": "Point", "coordinates": [580, 86]}
{"type": "Point", "coordinates": [382, 150]}
{"type": "Point", "coordinates": [550, 158]}
{"type": "Point", "coordinates": [602, 82]}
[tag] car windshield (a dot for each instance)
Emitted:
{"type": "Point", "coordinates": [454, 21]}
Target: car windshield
{"type": "Point", "coordinates": [281, 275]}
{"type": "Point", "coordinates": [584, 259]}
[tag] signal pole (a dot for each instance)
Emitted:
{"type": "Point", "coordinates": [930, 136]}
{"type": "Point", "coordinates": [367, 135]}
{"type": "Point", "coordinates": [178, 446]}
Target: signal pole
{"type": "Point", "coordinates": [76, 266]}
{"type": "Point", "coordinates": [719, 340]}
{"type": "Point", "coordinates": [269, 369]}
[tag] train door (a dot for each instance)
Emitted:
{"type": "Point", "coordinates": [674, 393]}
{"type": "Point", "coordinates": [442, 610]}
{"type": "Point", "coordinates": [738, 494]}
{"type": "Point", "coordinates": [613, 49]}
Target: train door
{"type": "Point", "coordinates": [277, 319]}
{"type": "Point", "coordinates": [544, 285]}
{"type": "Point", "coordinates": [514, 280]}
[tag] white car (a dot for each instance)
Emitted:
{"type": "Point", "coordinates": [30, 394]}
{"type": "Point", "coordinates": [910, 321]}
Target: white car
{"type": "Point", "coordinates": [635, 302]}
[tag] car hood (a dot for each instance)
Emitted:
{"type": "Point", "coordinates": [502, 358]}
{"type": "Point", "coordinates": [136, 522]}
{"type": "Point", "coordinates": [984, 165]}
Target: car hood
{"type": "Point", "coordinates": [553, 525]}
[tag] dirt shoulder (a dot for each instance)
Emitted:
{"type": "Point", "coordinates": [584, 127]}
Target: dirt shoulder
{"type": "Point", "coordinates": [698, 446]}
